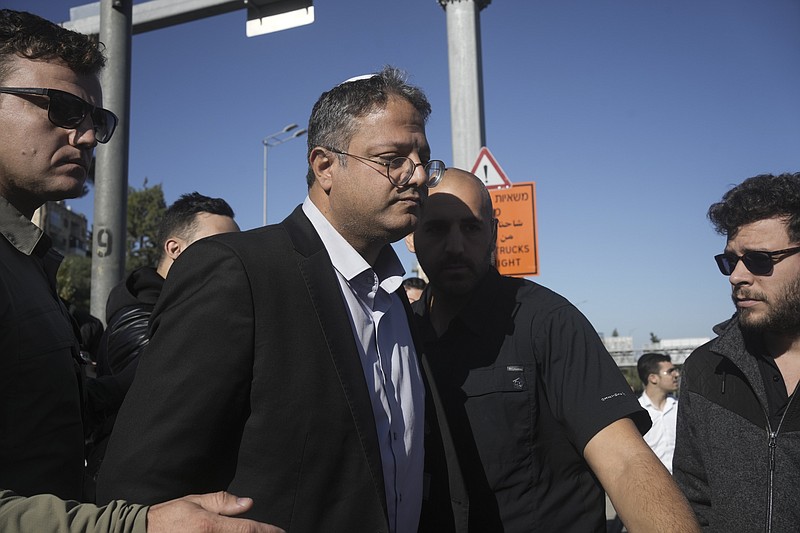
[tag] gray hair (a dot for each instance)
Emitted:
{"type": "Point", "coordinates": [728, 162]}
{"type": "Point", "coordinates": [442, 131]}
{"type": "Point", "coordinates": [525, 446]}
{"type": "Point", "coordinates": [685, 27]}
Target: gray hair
{"type": "Point", "coordinates": [333, 118]}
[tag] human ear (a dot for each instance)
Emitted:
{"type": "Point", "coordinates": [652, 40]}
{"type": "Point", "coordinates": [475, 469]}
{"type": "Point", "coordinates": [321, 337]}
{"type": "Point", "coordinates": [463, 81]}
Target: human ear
{"type": "Point", "coordinates": [173, 248]}
{"type": "Point", "coordinates": [409, 240]}
{"type": "Point", "coordinates": [321, 163]}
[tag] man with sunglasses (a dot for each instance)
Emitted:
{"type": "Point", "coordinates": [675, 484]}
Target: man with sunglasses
{"type": "Point", "coordinates": [281, 361]}
{"type": "Point", "coordinates": [49, 100]}
{"type": "Point", "coordinates": [737, 455]}
{"type": "Point", "coordinates": [51, 119]}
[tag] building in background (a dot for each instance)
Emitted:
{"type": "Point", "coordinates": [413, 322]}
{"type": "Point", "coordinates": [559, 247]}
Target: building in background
{"type": "Point", "coordinates": [677, 349]}
{"type": "Point", "coordinates": [68, 230]}
{"type": "Point", "coordinates": [621, 349]}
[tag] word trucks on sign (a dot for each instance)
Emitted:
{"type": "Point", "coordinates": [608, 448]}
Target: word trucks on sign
{"type": "Point", "coordinates": [517, 243]}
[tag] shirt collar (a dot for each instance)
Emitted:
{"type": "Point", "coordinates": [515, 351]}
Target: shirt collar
{"type": "Point", "coordinates": [647, 402]}
{"type": "Point", "coordinates": [346, 260]}
{"type": "Point", "coordinates": [486, 310]}
{"type": "Point", "coordinates": [482, 313]}
{"type": "Point", "coordinates": [23, 234]}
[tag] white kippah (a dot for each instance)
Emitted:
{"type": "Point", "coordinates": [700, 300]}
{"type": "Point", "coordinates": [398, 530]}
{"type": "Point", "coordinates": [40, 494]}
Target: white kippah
{"type": "Point", "coordinates": [357, 78]}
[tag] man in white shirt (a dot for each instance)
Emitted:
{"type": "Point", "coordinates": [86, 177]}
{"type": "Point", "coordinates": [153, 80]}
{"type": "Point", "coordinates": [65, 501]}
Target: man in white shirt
{"type": "Point", "coordinates": [660, 379]}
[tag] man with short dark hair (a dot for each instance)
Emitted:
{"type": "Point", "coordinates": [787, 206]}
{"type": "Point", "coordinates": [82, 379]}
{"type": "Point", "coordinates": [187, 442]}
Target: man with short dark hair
{"type": "Point", "coordinates": [660, 379]}
{"type": "Point", "coordinates": [50, 122]}
{"type": "Point", "coordinates": [51, 119]}
{"type": "Point", "coordinates": [281, 362]}
{"type": "Point", "coordinates": [414, 288]}
{"type": "Point", "coordinates": [737, 455]}
{"type": "Point", "coordinates": [541, 417]}
{"type": "Point", "coordinates": [190, 218]}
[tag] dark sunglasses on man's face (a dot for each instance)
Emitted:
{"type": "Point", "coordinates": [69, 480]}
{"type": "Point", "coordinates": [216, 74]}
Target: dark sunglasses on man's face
{"type": "Point", "coordinates": [68, 111]}
{"type": "Point", "coordinates": [758, 263]}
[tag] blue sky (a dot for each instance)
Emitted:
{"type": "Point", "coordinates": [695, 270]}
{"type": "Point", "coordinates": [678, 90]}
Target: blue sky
{"type": "Point", "coordinates": [632, 117]}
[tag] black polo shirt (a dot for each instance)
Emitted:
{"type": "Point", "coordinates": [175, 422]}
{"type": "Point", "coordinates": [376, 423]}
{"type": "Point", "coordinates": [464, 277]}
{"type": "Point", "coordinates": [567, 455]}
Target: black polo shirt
{"type": "Point", "coordinates": [775, 388]}
{"type": "Point", "coordinates": [526, 383]}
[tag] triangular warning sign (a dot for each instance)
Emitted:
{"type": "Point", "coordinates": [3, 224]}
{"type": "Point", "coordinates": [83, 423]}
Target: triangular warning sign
{"type": "Point", "coordinates": [487, 169]}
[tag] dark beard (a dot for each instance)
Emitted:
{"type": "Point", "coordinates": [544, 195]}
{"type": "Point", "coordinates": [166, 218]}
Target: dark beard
{"type": "Point", "coordinates": [784, 316]}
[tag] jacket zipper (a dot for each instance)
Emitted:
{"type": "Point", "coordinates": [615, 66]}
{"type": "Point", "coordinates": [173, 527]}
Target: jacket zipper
{"type": "Point", "coordinates": [772, 443]}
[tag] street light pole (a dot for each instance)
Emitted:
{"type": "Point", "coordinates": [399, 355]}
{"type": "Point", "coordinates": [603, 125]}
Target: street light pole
{"type": "Point", "coordinates": [275, 139]}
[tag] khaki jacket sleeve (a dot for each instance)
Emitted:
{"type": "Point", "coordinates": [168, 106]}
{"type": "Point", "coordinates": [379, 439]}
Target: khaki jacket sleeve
{"type": "Point", "coordinates": [46, 513]}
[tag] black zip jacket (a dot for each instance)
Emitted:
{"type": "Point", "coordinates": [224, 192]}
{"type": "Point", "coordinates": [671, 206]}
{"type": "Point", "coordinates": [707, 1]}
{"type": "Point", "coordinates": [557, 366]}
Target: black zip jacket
{"type": "Point", "coordinates": [738, 471]}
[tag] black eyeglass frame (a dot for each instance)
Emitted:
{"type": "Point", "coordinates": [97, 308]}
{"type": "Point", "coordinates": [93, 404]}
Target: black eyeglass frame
{"type": "Point", "coordinates": [430, 183]}
{"type": "Point", "coordinates": [758, 263]}
{"type": "Point", "coordinates": [104, 121]}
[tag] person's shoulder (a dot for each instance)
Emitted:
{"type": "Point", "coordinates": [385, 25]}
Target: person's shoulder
{"type": "Point", "coordinates": [671, 400]}
{"type": "Point", "coordinates": [240, 241]}
{"type": "Point", "coordinates": [126, 293]}
{"type": "Point", "coordinates": [704, 351]}
{"type": "Point", "coordinates": [647, 403]}
{"type": "Point", "coordinates": [531, 293]}
{"type": "Point", "coordinates": [702, 360]}
{"type": "Point", "coordinates": [262, 249]}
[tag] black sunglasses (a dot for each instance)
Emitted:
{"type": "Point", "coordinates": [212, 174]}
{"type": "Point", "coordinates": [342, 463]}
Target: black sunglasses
{"type": "Point", "coordinates": [68, 111]}
{"type": "Point", "coordinates": [758, 263]}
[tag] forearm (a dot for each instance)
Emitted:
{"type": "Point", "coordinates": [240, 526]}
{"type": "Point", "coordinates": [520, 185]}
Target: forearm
{"type": "Point", "coordinates": [641, 489]}
{"type": "Point", "coordinates": [647, 499]}
{"type": "Point", "coordinates": [46, 513]}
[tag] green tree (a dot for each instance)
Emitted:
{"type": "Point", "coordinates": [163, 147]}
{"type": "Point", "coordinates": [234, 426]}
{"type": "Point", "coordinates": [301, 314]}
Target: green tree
{"type": "Point", "coordinates": [146, 207]}
{"type": "Point", "coordinates": [74, 279]}
{"type": "Point", "coordinates": [654, 338]}
{"type": "Point", "coordinates": [615, 333]}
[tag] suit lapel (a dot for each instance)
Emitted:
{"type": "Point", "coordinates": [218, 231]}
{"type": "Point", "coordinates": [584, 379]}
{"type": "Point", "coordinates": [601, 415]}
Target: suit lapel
{"type": "Point", "coordinates": [457, 488]}
{"type": "Point", "coordinates": [323, 288]}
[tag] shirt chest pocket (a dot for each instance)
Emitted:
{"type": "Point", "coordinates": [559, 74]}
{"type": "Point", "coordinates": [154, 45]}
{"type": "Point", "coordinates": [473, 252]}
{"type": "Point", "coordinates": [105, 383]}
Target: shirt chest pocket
{"type": "Point", "coordinates": [42, 328]}
{"type": "Point", "coordinates": [500, 405]}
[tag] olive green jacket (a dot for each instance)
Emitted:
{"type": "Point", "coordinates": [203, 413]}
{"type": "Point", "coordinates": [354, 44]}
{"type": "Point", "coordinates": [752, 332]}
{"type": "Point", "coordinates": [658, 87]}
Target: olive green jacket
{"type": "Point", "coordinates": [46, 513]}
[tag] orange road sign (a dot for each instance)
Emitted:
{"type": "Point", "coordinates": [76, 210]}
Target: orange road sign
{"type": "Point", "coordinates": [517, 240]}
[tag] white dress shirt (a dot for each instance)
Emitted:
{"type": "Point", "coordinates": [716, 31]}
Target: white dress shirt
{"type": "Point", "coordinates": [661, 437]}
{"type": "Point", "coordinates": [390, 366]}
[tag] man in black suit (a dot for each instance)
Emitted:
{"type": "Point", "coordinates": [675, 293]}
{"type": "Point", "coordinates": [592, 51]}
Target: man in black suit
{"type": "Point", "coordinates": [281, 364]}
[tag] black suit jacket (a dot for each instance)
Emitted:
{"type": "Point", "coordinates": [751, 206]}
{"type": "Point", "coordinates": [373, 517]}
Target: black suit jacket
{"type": "Point", "coordinates": [252, 382]}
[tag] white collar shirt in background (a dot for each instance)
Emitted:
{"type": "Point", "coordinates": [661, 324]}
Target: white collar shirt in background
{"type": "Point", "coordinates": [661, 437]}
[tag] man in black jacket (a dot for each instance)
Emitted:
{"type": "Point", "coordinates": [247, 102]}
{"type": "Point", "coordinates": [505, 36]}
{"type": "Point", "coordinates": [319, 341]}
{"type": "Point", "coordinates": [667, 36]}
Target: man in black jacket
{"type": "Point", "coordinates": [51, 119]}
{"type": "Point", "coordinates": [192, 217]}
{"type": "Point", "coordinates": [737, 455]}
{"type": "Point", "coordinates": [281, 360]}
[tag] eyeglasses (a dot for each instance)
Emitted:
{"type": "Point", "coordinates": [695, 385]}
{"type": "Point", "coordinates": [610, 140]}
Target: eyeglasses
{"type": "Point", "coordinates": [758, 263]}
{"type": "Point", "coordinates": [670, 371]}
{"type": "Point", "coordinates": [400, 169]}
{"type": "Point", "coordinates": [68, 111]}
